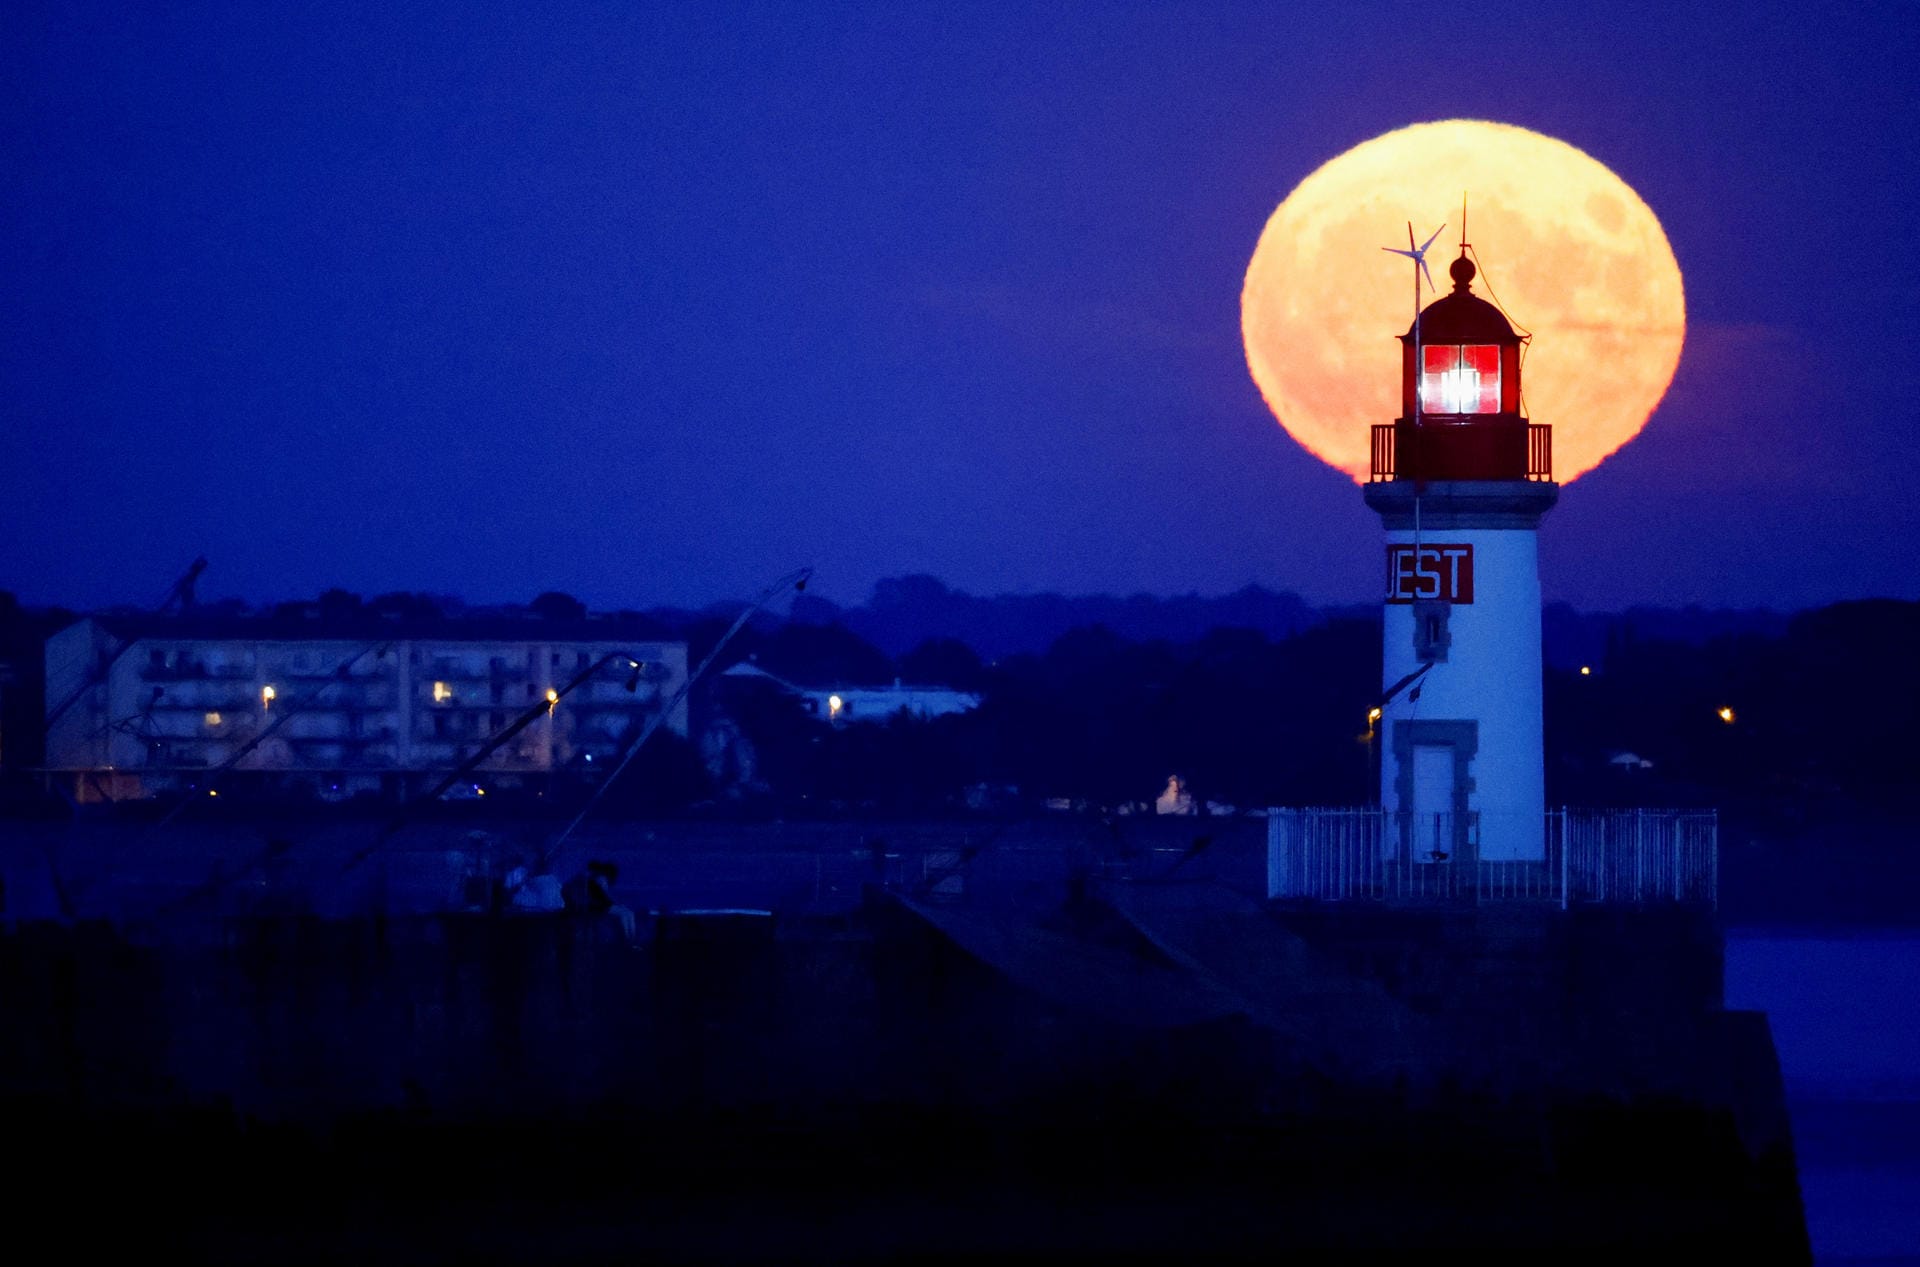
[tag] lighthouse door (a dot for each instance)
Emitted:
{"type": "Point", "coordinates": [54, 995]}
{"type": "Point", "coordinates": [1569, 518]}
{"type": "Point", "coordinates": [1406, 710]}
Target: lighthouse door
{"type": "Point", "coordinates": [1430, 832]}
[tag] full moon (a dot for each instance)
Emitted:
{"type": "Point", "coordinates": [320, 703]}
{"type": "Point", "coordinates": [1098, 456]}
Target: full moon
{"type": "Point", "coordinates": [1566, 247]}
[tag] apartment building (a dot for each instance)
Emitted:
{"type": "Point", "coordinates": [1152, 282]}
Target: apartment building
{"type": "Point", "coordinates": [346, 704]}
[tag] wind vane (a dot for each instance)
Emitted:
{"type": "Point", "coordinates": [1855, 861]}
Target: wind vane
{"type": "Point", "coordinates": [1418, 254]}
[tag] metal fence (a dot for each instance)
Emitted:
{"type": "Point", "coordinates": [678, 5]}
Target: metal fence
{"type": "Point", "coordinates": [1620, 857]}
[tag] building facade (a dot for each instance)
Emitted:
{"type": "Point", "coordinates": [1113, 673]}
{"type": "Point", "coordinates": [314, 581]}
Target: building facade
{"type": "Point", "coordinates": [141, 705]}
{"type": "Point", "coordinates": [845, 704]}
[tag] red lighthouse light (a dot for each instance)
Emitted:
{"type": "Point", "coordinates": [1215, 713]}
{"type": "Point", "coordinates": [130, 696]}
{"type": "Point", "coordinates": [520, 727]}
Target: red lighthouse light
{"type": "Point", "coordinates": [1460, 379]}
{"type": "Point", "coordinates": [1460, 413]}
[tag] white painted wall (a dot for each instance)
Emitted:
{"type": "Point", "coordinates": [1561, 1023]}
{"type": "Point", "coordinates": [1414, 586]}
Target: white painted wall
{"type": "Point", "coordinates": [1491, 676]}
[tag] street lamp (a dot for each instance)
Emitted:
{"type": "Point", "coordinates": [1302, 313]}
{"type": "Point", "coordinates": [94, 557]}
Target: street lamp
{"type": "Point", "coordinates": [1374, 715]}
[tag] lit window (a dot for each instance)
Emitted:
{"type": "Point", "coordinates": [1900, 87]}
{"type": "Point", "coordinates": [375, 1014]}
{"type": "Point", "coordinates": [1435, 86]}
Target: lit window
{"type": "Point", "coordinates": [442, 692]}
{"type": "Point", "coordinates": [212, 719]}
{"type": "Point", "coordinates": [1457, 379]}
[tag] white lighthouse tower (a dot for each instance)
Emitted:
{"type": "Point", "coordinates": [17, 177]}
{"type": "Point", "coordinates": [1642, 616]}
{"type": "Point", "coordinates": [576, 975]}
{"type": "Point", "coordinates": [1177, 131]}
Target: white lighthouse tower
{"type": "Point", "coordinates": [1460, 481]}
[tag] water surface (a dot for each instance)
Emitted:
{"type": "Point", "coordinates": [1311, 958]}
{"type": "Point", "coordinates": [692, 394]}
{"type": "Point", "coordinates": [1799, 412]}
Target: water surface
{"type": "Point", "coordinates": [1845, 1010]}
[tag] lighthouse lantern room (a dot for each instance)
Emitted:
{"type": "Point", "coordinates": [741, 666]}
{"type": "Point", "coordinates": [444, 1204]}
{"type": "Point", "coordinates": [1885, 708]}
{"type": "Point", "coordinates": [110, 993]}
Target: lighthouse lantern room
{"type": "Point", "coordinates": [1466, 422]}
{"type": "Point", "coordinates": [1461, 480]}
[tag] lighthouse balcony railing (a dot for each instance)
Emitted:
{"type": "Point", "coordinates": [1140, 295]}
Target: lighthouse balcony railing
{"type": "Point", "coordinates": [1632, 857]}
{"type": "Point", "coordinates": [1388, 462]}
{"type": "Point", "coordinates": [1539, 452]}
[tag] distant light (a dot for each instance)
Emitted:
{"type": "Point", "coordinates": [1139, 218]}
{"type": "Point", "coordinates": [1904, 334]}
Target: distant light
{"type": "Point", "coordinates": [1373, 714]}
{"type": "Point", "coordinates": [211, 792]}
{"type": "Point", "coordinates": [267, 696]}
{"type": "Point", "coordinates": [442, 692]}
{"type": "Point", "coordinates": [633, 664]}
{"type": "Point", "coordinates": [1726, 715]}
{"type": "Point", "coordinates": [478, 790]}
{"type": "Point", "coordinates": [834, 705]}
{"type": "Point", "coordinates": [212, 719]}
{"type": "Point", "coordinates": [1586, 670]}
{"type": "Point", "coordinates": [553, 697]}
{"type": "Point", "coordinates": [589, 756]}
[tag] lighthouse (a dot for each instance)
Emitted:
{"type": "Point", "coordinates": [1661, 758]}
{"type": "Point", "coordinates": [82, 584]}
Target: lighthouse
{"type": "Point", "coordinates": [1461, 480]}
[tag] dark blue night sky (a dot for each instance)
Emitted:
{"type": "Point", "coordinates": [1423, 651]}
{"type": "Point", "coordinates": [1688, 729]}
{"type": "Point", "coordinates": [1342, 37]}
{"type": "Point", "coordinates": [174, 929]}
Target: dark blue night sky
{"type": "Point", "coordinates": [652, 303]}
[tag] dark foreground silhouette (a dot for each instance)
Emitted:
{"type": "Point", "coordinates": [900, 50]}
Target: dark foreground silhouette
{"type": "Point", "coordinates": [1149, 1073]}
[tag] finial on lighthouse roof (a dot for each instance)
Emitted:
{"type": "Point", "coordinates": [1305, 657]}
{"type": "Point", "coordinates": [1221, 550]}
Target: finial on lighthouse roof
{"type": "Point", "coordinates": [1462, 271]}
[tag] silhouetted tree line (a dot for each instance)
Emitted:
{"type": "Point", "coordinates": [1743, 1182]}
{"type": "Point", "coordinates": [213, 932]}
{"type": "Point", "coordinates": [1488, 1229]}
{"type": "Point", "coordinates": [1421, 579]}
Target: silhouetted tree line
{"type": "Point", "coordinates": [907, 611]}
{"type": "Point", "coordinates": [1096, 718]}
{"type": "Point", "coordinates": [1822, 712]}
{"type": "Point", "coordinates": [1822, 705]}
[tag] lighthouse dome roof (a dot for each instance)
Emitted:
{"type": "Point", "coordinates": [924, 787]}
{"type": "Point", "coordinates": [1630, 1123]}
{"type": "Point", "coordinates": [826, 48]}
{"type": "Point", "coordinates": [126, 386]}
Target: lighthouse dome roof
{"type": "Point", "coordinates": [1463, 317]}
